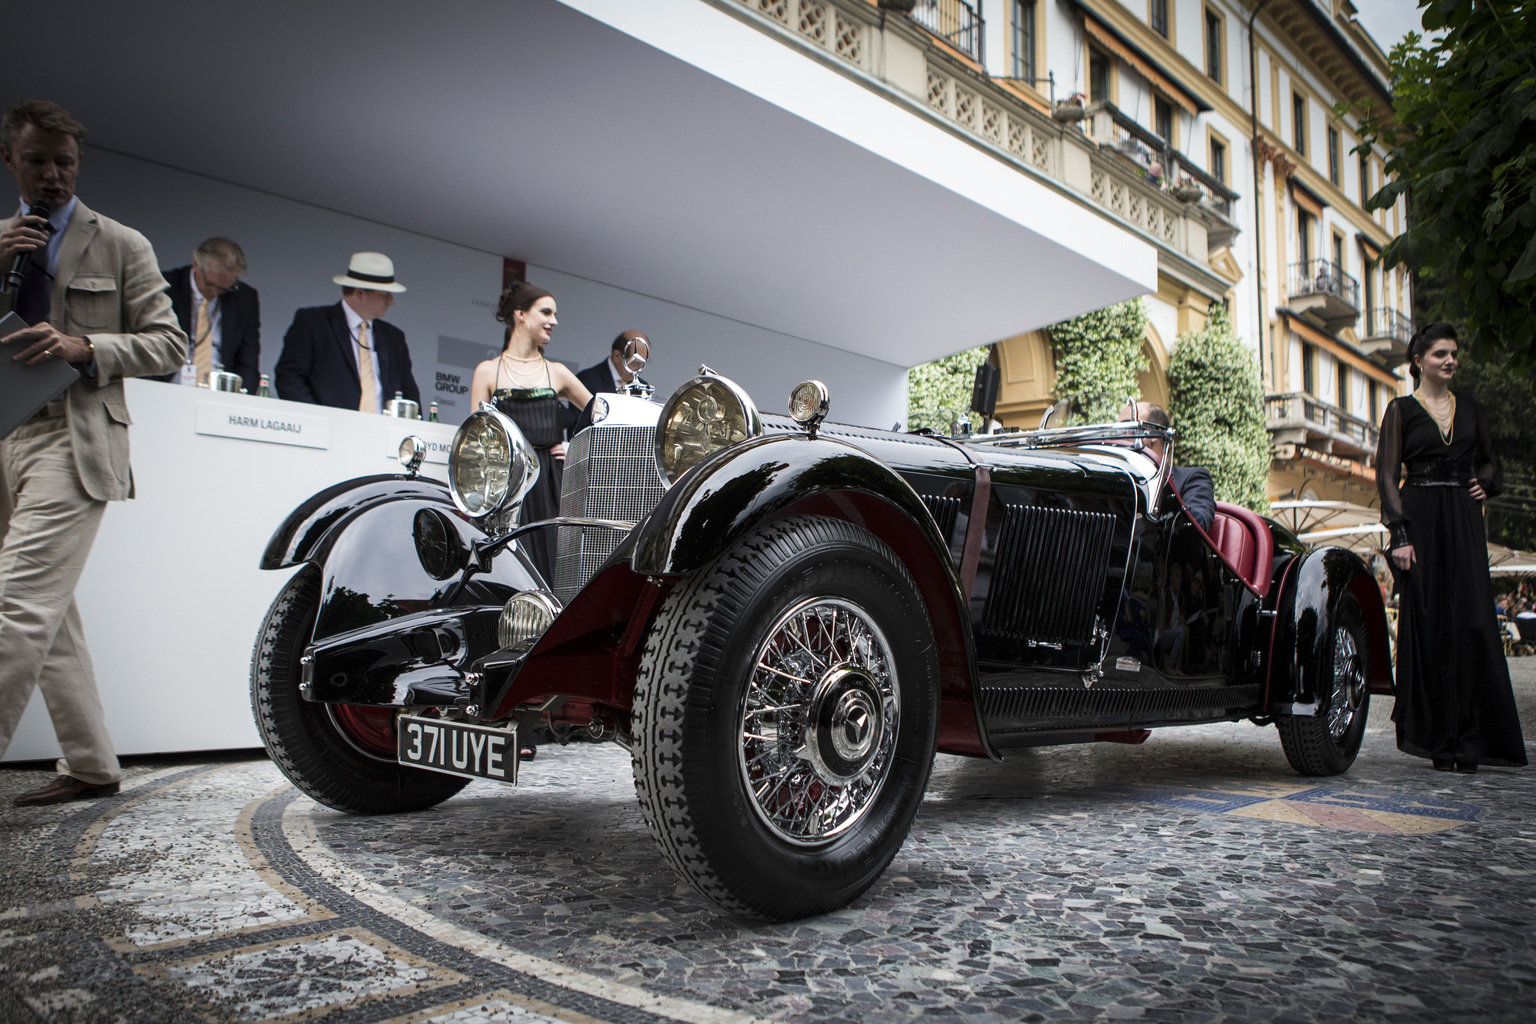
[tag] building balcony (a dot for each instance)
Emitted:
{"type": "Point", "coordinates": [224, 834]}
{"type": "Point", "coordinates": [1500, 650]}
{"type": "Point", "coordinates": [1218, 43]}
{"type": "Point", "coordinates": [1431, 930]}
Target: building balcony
{"type": "Point", "coordinates": [931, 59]}
{"type": "Point", "coordinates": [1148, 154]}
{"type": "Point", "coordinates": [1321, 290]}
{"type": "Point", "coordinates": [1304, 420]}
{"type": "Point", "coordinates": [956, 22]}
{"type": "Point", "coordinates": [1386, 335]}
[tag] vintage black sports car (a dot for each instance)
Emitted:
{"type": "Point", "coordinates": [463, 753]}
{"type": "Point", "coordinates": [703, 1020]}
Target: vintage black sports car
{"type": "Point", "coordinates": [782, 619]}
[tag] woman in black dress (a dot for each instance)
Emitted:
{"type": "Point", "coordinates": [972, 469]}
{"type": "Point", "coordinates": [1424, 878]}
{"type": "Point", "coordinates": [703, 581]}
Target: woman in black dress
{"type": "Point", "coordinates": [526, 387]}
{"type": "Point", "coordinates": [1434, 466]}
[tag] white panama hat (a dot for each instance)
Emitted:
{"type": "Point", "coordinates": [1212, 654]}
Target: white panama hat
{"type": "Point", "coordinates": [372, 270]}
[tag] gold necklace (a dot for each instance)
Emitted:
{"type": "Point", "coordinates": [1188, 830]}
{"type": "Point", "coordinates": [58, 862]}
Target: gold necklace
{"type": "Point", "coordinates": [1446, 421]}
{"type": "Point", "coordinates": [528, 376]}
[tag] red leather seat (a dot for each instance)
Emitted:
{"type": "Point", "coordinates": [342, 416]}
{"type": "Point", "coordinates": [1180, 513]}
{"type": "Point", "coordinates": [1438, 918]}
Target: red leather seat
{"type": "Point", "coordinates": [1245, 544]}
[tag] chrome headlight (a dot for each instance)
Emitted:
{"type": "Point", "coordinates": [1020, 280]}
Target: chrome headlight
{"type": "Point", "coordinates": [491, 464]}
{"type": "Point", "coordinates": [525, 618]}
{"type": "Point", "coordinates": [706, 414]}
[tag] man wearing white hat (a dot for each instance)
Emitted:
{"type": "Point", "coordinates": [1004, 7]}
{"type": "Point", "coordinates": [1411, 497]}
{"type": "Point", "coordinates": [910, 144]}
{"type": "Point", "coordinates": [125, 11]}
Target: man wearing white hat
{"type": "Point", "coordinates": [344, 355]}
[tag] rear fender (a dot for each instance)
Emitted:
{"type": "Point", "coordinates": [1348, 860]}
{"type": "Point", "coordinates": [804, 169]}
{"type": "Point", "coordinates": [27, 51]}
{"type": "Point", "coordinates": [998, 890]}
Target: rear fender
{"type": "Point", "coordinates": [1307, 603]}
{"type": "Point", "coordinates": [737, 490]}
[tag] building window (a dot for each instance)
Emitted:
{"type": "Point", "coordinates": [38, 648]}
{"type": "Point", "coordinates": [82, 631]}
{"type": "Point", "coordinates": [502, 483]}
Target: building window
{"type": "Point", "coordinates": [1368, 280]}
{"type": "Point", "coordinates": [1162, 114]}
{"type": "Point", "coordinates": [1341, 386]}
{"type": "Point", "coordinates": [1024, 40]}
{"type": "Point", "coordinates": [1213, 45]}
{"type": "Point", "coordinates": [1219, 161]}
{"type": "Point", "coordinates": [1157, 15]}
{"type": "Point", "coordinates": [1304, 237]}
{"type": "Point", "coordinates": [1308, 368]}
{"type": "Point", "coordinates": [1373, 396]}
{"type": "Point", "coordinates": [1338, 253]}
{"type": "Point", "coordinates": [1365, 177]}
{"type": "Point", "coordinates": [1335, 157]}
{"type": "Point", "coordinates": [1299, 123]}
{"type": "Point", "coordinates": [1098, 76]}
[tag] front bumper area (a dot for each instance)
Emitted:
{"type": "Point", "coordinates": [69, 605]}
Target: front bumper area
{"type": "Point", "coordinates": [418, 660]}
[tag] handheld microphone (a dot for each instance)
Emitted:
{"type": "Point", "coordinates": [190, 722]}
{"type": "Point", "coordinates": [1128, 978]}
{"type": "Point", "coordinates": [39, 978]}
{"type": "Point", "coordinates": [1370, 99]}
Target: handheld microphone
{"type": "Point", "coordinates": [24, 259]}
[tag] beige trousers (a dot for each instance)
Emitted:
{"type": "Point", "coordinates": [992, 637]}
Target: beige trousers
{"type": "Point", "coordinates": [47, 526]}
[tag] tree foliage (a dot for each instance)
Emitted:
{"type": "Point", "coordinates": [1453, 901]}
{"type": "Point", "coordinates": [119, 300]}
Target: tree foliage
{"type": "Point", "coordinates": [1099, 360]}
{"type": "Point", "coordinates": [940, 391]}
{"type": "Point", "coordinates": [1461, 141]}
{"type": "Point", "coordinates": [1506, 399]}
{"type": "Point", "coordinates": [1216, 404]}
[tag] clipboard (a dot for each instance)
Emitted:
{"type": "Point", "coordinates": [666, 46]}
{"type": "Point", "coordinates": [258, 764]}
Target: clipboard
{"type": "Point", "coordinates": [26, 389]}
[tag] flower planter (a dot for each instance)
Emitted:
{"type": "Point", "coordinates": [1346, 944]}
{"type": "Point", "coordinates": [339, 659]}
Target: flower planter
{"type": "Point", "coordinates": [1188, 193]}
{"type": "Point", "coordinates": [899, 6]}
{"type": "Point", "coordinates": [1068, 112]}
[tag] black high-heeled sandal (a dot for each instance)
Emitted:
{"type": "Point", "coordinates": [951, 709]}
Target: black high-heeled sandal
{"type": "Point", "coordinates": [1444, 764]}
{"type": "Point", "coordinates": [1466, 767]}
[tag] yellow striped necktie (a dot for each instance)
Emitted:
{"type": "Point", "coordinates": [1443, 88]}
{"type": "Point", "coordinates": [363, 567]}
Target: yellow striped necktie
{"type": "Point", "coordinates": [202, 341]}
{"type": "Point", "coordinates": [367, 401]}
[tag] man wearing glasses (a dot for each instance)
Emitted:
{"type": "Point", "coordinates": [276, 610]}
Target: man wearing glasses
{"type": "Point", "coordinates": [220, 313]}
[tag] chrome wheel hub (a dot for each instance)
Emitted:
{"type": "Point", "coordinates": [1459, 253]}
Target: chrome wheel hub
{"type": "Point", "coordinates": [818, 721]}
{"type": "Point", "coordinates": [1348, 684]}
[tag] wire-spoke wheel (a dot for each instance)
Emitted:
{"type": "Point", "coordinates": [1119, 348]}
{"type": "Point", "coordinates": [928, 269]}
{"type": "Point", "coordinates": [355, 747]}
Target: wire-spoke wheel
{"type": "Point", "coordinates": [785, 718]}
{"type": "Point", "coordinates": [819, 720]}
{"type": "Point", "coordinates": [1327, 742]}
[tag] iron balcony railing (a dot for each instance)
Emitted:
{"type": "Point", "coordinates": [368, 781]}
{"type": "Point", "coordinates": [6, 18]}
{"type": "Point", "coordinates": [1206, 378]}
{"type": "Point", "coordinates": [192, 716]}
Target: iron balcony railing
{"type": "Point", "coordinates": [1159, 161]}
{"type": "Point", "coordinates": [1385, 322]}
{"type": "Point", "coordinates": [956, 22]}
{"type": "Point", "coordinates": [1324, 277]}
{"type": "Point", "coordinates": [1298, 409]}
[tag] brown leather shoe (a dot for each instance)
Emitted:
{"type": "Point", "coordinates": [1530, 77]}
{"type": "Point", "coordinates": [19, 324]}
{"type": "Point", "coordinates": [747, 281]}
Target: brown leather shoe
{"type": "Point", "coordinates": [64, 789]}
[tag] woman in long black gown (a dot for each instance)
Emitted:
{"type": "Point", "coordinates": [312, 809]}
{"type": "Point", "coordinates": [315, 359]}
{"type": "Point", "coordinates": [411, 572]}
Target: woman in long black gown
{"type": "Point", "coordinates": [527, 387]}
{"type": "Point", "coordinates": [1435, 464]}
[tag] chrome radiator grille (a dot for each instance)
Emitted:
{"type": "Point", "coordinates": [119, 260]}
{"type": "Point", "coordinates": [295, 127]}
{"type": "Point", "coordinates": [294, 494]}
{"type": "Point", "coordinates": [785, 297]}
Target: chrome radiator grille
{"type": "Point", "coordinates": [610, 473]}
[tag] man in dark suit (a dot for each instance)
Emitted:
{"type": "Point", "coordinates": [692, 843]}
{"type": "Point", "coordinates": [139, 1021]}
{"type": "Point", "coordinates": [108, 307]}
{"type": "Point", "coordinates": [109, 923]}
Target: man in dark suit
{"type": "Point", "coordinates": [609, 374]}
{"type": "Point", "coordinates": [220, 313]}
{"type": "Point", "coordinates": [344, 355]}
{"type": "Point", "coordinates": [1196, 488]}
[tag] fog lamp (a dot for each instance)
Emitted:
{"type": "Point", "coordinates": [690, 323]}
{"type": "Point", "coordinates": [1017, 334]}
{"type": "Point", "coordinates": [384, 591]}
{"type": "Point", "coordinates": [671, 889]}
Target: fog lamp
{"type": "Point", "coordinates": [525, 618]}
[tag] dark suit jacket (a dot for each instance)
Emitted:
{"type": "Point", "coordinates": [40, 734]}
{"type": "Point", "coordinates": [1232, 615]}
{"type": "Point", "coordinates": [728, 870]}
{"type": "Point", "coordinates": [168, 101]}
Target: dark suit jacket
{"type": "Point", "coordinates": [1198, 492]}
{"type": "Point", "coordinates": [317, 364]}
{"type": "Point", "coordinates": [599, 378]}
{"type": "Point", "coordinates": [239, 325]}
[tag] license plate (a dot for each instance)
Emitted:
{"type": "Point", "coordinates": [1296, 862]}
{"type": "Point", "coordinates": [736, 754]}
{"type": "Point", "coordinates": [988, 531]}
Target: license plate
{"type": "Point", "coordinates": [457, 748]}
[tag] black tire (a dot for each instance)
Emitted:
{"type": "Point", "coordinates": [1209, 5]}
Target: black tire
{"type": "Point", "coordinates": [1327, 743]}
{"type": "Point", "coordinates": [858, 725]}
{"type": "Point", "coordinates": [339, 755]}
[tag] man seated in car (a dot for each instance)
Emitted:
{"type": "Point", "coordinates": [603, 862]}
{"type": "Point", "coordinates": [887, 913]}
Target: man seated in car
{"type": "Point", "coordinates": [1193, 483]}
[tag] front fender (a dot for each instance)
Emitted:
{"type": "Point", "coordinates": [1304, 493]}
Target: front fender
{"type": "Point", "coordinates": [310, 530]}
{"type": "Point", "coordinates": [359, 535]}
{"type": "Point", "coordinates": [1314, 589]}
{"type": "Point", "coordinates": [735, 490]}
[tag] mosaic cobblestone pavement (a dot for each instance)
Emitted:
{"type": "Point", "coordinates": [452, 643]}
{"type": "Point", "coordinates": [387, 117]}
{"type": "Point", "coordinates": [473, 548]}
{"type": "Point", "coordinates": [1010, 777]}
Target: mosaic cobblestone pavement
{"type": "Point", "coordinates": [1194, 878]}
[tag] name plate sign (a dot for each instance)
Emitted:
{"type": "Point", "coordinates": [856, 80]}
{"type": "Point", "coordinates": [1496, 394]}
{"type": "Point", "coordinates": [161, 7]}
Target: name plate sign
{"type": "Point", "coordinates": [256, 423]}
{"type": "Point", "coordinates": [438, 436]}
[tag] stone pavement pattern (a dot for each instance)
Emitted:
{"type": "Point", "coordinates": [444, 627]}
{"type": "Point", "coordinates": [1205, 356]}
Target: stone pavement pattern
{"type": "Point", "coordinates": [1195, 878]}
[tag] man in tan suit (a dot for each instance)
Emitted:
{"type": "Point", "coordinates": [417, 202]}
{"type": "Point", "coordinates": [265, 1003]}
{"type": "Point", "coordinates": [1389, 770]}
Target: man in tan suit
{"type": "Point", "coordinates": [96, 298]}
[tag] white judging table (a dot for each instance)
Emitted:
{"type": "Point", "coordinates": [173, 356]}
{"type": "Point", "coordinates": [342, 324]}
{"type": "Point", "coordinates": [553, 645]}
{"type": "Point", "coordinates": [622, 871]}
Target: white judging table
{"type": "Point", "coordinates": [172, 596]}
